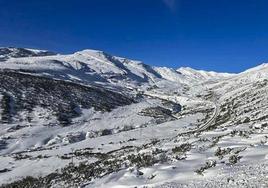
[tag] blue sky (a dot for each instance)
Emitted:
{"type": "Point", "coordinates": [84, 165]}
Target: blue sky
{"type": "Point", "coordinates": [220, 35]}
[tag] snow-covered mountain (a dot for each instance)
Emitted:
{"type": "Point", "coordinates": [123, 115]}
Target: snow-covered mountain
{"type": "Point", "coordinates": [98, 66]}
{"type": "Point", "coordinates": [11, 52]}
{"type": "Point", "coordinates": [91, 119]}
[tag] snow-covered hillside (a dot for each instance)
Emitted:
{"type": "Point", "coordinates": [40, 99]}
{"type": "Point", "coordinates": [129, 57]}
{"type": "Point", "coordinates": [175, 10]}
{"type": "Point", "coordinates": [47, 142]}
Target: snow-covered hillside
{"type": "Point", "coordinates": [11, 52]}
{"type": "Point", "coordinates": [97, 66]}
{"type": "Point", "coordinates": [91, 119]}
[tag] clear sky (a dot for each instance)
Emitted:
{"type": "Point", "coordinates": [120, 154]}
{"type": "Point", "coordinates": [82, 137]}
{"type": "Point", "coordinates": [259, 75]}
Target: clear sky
{"type": "Point", "coordinates": [220, 35]}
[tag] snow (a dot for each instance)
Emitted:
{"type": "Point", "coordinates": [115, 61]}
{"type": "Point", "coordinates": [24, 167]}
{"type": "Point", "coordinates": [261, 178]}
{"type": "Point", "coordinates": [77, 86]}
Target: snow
{"type": "Point", "coordinates": [215, 107]}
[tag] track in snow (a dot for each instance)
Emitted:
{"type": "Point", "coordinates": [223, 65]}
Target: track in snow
{"type": "Point", "coordinates": [209, 122]}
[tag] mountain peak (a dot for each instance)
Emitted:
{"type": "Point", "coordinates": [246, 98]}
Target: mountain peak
{"type": "Point", "coordinates": [95, 54]}
{"type": "Point", "coordinates": [89, 52]}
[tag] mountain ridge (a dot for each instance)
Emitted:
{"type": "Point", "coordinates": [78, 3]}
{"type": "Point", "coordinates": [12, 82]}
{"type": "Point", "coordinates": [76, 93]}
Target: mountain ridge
{"type": "Point", "coordinates": [96, 120]}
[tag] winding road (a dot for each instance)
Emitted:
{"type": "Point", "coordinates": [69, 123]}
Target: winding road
{"type": "Point", "coordinates": [205, 125]}
{"type": "Point", "coordinates": [208, 123]}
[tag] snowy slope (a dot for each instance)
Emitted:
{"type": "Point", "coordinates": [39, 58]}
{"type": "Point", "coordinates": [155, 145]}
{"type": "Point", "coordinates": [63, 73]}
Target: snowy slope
{"type": "Point", "coordinates": [188, 75]}
{"type": "Point", "coordinates": [202, 75]}
{"type": "Point", "coordinates": [98, 66]}
{"type": "Point", "coordinates": [87, 63]}
{"type": "Point", "coordinates": [91, 119]}
{"type": "Point", "coordinates": [11, 52]}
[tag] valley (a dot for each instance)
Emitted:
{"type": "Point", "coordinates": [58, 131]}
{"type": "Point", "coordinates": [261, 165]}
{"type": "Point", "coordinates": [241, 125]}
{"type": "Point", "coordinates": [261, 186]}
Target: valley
{"type": "Point", "coordinates": [90, 119]}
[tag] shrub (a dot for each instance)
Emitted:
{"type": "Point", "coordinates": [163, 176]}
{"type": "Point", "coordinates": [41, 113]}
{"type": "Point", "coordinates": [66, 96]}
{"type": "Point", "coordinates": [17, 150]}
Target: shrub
{"type": "Point", "coordinates": [209, 164]}
{"type": "Point", "coordinates": [233, 159]}
{"type": "Point", "coordinates": [221, 152]}
{"type": "Point", "coordinates": [142, 160]}
{"type": "Point", "coordinates": [246, 120]}
{"type": "Point", "coordinates": [182, 148]}
{"type": "Point", "coordinates": [105, 132]}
